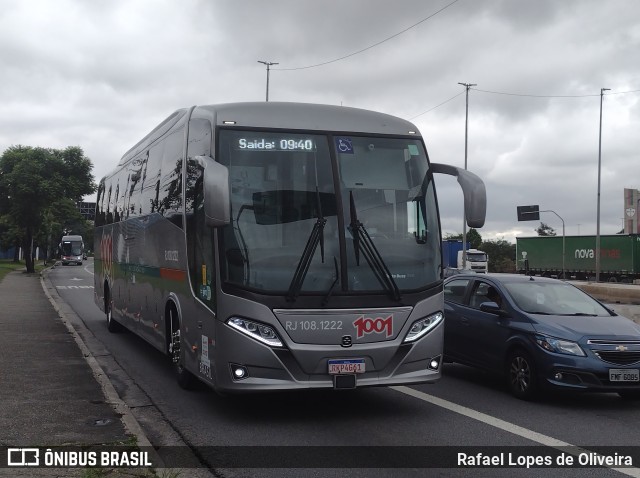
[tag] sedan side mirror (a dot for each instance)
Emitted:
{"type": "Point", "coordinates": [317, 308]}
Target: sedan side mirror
{"type": "Point", "coordinates": [492, 308]}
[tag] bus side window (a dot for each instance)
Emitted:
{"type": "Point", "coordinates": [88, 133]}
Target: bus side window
{"type": "Point", "coordinates": [151, 174]}
{"type": "Point", "coordinates": [99, 218]}
{"type": "Point", "coordinates": [170, 184]}
{"type": "Point", "coordinates": [110, 205]}
{"type": "Point", "coordinates": [118, 203]}
{"type": "Point", "coordinates": [199, 237]}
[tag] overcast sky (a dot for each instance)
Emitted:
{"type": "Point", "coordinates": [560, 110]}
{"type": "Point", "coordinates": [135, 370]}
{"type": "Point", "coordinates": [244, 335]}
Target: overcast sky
{"type": "Point", "coordinates": [101, 74]}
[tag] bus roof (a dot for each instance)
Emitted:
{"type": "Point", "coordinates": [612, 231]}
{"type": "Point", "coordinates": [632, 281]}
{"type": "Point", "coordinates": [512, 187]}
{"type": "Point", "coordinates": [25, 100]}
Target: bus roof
{"type": "Point", "coordinates": [305, 116]}
{"type": "Point", "coordinates": [283, 115]}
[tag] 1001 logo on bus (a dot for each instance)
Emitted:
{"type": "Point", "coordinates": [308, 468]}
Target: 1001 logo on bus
{"type": "Point", "coordinates": [367, 325]}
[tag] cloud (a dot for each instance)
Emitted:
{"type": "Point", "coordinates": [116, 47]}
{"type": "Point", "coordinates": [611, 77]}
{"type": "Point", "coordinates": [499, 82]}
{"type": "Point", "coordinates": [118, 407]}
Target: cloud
{"type": "Point", "coordinates": [102, 74]}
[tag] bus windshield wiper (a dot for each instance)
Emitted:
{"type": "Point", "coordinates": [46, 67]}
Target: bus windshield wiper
{"type": "Point", "coordinates": [325, 301]}
{"type": "Point", "coordinates": [316, 237]}
{"type": "Point", "coordinates": [362, 243]}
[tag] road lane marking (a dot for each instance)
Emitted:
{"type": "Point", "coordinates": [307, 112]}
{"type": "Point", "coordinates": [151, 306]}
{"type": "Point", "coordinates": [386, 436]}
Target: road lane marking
{"type": "Point", "coordinates": [506, 426]}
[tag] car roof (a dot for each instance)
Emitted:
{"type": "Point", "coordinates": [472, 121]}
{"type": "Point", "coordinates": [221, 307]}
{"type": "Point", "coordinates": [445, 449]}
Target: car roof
{"type": "Point", "coordinates": [501, 277]}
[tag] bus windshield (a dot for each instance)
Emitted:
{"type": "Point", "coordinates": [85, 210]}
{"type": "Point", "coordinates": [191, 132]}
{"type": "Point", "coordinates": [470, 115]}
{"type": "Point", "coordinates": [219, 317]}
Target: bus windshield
{"type": "Point", "coordinates": [366, 204]}
{"type": "Point", "coordinates": [72, 248]}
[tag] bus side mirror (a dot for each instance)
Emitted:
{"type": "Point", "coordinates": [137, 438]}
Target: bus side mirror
{"type": "Point", "coordinates": [217, 199]}
{"type": "Point", "coordinates": [475, 194]}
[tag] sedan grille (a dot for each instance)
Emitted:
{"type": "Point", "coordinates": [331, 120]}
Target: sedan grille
{"type": "Point", "coordinates": [617, 357]}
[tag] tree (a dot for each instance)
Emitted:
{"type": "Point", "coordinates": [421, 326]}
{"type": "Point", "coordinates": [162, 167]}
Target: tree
{"type": "Point", "coordinates": [502, 255]}
{"type": "Point", "coordinates": [474, 239]}
{"type": "Point", "coordinates": [33, 181]}
{"type": "Point", "coordinates": [545, 230]}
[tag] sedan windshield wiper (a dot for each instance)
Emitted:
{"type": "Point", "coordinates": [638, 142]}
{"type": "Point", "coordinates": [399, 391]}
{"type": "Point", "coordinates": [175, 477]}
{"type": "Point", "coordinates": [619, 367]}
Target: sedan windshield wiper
{"type": "Point", "coordinates": [316, 237]}
{"type": "Point", "coordinates": [580, 314]}
{"type": "Point", "coordinates": [362, 243]}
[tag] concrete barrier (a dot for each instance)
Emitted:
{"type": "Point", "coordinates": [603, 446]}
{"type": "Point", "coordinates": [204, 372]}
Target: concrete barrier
{"type": "Point", "coordinates": [629, 311]}
{"type": "Point", "coordinates": [612, 293]}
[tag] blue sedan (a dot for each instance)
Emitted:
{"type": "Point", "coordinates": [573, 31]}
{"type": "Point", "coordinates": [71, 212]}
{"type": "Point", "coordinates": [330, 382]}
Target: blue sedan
{"type": "Point", "coordinates": [540, 333]}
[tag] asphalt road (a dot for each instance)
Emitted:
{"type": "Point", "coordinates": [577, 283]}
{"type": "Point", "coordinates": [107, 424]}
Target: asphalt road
{"type": "Point", "coordinates": [465, 409]}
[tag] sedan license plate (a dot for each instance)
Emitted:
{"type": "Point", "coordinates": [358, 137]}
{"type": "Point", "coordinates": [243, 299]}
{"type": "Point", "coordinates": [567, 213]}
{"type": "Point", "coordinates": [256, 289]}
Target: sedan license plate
{"type": "Point", "coordinates": [341, 366]}
{"type": "Point", "coordinates": [624, 375]}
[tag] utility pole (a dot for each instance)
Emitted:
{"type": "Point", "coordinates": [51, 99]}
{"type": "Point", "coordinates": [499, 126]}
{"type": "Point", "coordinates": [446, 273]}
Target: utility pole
{"type": "Point", "coordinates": [466, 137]}
{"type": "Point", "coordinates": [269, 64]}
{"type": "Point", "coordinates": [602, 90]}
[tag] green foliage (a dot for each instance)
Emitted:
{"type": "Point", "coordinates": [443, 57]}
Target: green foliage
{"type": "Point", "coordinates": [545, 230]}
{"type": "Point", "coordinates": [502, 255]}
{"type": "Point", "coordinates": [40, 187]}
{"type": "Point", "coordinates": [474, 239]}
{"type": "Point", "coordinates": [7, 265]}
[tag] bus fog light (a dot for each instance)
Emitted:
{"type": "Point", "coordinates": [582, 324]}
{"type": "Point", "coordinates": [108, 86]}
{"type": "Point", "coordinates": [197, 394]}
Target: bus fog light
{"type": "Point", "coordinates": [239, 372]}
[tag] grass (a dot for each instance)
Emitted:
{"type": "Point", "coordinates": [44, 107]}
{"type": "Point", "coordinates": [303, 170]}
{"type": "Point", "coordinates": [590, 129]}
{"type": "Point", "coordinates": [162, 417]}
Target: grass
{"type": "Point", "coordinates": [7, 265]}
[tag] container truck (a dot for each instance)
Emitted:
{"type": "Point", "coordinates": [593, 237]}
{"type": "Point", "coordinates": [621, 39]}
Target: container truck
{"type": "Point", "coordinates": [477, 260]}
{"type": "Point", "coordinates": [542, 255]}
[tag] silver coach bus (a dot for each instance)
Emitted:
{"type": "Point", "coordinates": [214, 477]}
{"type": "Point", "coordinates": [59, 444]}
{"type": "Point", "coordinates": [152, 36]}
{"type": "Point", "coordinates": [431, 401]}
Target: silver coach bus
{"type": "Point", "coordinates": [267, 246]}
{"type": "Point", "coordinates": [71, 250]}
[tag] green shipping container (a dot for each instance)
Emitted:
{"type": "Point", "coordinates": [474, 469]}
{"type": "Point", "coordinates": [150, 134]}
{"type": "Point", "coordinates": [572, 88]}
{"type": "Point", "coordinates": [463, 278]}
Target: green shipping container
{"type": "Point", "coordinates": [619, 256]}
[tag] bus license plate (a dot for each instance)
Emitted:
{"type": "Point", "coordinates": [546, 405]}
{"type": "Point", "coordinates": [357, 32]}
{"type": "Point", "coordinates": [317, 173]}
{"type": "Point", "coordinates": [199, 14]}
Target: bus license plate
{"type": "Point", "coordinates": [340, 366]}
{"type": "Point", "coordinates": [624, 375]}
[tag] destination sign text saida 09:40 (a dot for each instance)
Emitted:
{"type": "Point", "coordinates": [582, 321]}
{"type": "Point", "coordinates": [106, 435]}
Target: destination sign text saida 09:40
{"type": "Point", "coordinates": [283, 144]}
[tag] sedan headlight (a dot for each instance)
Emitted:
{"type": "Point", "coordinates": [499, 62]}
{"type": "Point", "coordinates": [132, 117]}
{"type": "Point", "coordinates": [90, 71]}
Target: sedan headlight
{"type": "Point", "coordinates": [551, 344]}
{"type": "Point", "coordinates": [256, 330]}
{"type": "Point", "coordinates": [422, 327]}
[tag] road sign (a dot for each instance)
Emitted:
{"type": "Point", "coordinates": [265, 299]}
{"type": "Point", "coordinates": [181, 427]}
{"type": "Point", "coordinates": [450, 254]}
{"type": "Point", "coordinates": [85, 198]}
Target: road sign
{"type": "Point", "coordinates": [529, 213]}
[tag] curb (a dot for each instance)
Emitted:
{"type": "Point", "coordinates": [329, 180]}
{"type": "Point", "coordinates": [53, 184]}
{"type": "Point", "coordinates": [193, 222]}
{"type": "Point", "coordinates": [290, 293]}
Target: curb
{"type": "Point", "coordinates": [129, 421]}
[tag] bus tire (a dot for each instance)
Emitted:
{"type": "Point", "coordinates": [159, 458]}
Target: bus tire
{"type": "Point", "coordinates": [185, 379]}
{"type": "Point", "coordinates": [112, 326]}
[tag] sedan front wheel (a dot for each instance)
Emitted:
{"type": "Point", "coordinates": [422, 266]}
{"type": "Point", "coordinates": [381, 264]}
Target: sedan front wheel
{"type": "Point", "coordinates": [521, 375]}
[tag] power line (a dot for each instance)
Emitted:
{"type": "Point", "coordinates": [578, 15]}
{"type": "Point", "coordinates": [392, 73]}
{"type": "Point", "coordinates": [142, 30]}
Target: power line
{"type": "Point", "coordinates": [370, 46]}
{"type": "Point", "coordinates": [444, 102]}
{"type": "Point", "coordinates": [523, 95]}
{"type": "Point", "coordinates": [550, 96]}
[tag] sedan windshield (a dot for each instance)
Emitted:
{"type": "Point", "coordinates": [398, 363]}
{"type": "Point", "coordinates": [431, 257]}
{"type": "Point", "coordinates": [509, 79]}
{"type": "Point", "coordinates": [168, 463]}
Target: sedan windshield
{"type": "Point", "coordinates": [556, 298]}
{"type": "Point", "coordinates": [313, 212]}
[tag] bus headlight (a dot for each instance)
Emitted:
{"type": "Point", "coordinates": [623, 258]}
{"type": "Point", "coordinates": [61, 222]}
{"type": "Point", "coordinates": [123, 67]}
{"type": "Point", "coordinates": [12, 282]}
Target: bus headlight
{"type": "Point", "coordinates": [422, 327]}
{"type": "Point", "coordinates": [256, 330]}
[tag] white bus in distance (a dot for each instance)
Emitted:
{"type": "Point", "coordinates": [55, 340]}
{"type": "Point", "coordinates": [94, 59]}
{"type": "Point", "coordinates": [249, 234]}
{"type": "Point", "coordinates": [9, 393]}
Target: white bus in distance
{"type": "Point", "coordinates": [271, 246]}
{"type": "Point", "coordinates": [71, 250]}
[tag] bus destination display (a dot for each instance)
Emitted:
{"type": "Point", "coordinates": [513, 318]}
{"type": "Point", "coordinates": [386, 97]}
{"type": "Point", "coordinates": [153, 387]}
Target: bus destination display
{"type": "Point", "coordinates": [282, 144]}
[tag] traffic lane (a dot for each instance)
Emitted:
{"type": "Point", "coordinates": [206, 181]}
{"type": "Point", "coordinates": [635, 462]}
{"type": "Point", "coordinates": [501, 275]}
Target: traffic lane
{"type": "Point", "coordinates": [367, 417]}
{"type": "Point", "coordinates": [584, 419]}
{"type": "Point", "coordinates": [286, 415]}
{"type": "Point", "coordinates": [74, 284]}
{"type": "Point", "coordinates": [557, 414]}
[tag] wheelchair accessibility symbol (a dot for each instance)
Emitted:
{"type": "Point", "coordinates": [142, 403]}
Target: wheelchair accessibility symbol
{"type": "Point", "coordinates": [344, 145]}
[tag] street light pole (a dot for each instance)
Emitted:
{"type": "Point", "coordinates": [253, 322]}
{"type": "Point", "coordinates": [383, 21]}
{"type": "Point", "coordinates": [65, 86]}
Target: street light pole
{"type": "Point", "coordinates": [563, 234]}
{"type": "Point", "coordinates": [563, 240]}
{"type": "Point", "coordinates": [466, 136]}
{"type": "Point", "coordinates": [602, 90]}
{"type": "Point", "coordinates": [269, 64]}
